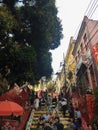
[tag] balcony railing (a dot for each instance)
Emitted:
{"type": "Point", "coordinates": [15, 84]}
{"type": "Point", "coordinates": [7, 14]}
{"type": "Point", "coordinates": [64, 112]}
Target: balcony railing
{"type": "Point", "coordinates": [78, 64]}
{"type": "Point", "coordinates": [85, 59]}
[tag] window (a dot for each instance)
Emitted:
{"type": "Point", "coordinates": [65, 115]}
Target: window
{"type": "Point", "coordinates": [85, 38]}
{"type": "Point", "coordinates": [86, 47]}
{"type": "Point", "coordinates": [81, 47]}
{"type": "Point", "coordinates": [76, 59]}
{"type": "Point", "coordinates": [78, 54]}
{"type": "Point", "coordinates": [85, 42]}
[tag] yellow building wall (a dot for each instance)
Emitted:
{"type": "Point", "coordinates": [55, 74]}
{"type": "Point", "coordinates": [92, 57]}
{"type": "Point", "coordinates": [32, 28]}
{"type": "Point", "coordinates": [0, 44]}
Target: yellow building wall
{"type": "Point", "coordinates": [70, 65]}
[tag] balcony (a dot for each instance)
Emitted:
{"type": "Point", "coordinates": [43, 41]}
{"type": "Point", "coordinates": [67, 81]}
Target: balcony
{"type": "Point", "coordinates": [78, 65]}
{"type": "Point", "coordinates": [85, 59]}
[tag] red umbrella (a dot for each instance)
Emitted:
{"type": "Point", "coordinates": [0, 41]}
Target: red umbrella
{"type": "Point", "coordinates": [8, 108]}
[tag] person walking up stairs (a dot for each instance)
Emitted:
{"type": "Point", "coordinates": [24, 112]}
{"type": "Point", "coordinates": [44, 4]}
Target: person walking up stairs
{"type": "Point", "coordinates": [37, 114]}
{"type": "Point", "coordinates": [38, 122]}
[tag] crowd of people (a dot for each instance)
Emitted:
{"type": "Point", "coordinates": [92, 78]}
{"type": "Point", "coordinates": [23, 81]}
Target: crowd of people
{"type": "Point", "coordinates": [50, 121]}
{"type": "Point", "coordinates": [54, 103]}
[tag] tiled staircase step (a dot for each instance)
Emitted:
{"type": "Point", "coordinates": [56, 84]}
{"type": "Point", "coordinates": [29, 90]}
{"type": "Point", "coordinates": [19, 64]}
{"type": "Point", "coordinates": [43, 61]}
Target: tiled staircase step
{"type": "Point", "coordinates": [65, 123]}
{"type": "Point", "coordinates": [42, 129]}
{"type": "Point", "coordinates": [35, 126]}
{"type": "Point", "coordinates": [64, 120]}
{"type": "Point", "coordinates": [36, 129]}
{"type": "Point", "coordinates": [38, 113]}
{"type": "Point", "coordinates": [35, 118]}
{"type": "Point", "coordinates": [65, 126]}
{"type": "Point", "coordinates": [42, 112]}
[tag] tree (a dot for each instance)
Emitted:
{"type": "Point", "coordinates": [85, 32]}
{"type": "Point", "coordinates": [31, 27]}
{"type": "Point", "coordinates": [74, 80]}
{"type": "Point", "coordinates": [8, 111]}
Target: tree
{"type": "Point", "coordinates": [33, 30]}
{"type": "Point", "coordinates": [7, 23]}
{"type": "Point", "coordinates": [50, 86]}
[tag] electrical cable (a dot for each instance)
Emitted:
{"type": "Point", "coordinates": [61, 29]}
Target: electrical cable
{"type": "Point", "coordinates": [88, 7]}
{"type": "Point", "coordinates": [92, 8]}
{"type": "Point", "coordinates": [90, 11]}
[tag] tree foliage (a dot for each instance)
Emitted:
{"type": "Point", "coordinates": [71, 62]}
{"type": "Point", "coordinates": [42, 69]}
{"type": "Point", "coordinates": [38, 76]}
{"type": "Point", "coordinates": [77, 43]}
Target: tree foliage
{"type": "Point", "coordinates": [50, 86]}
{"type": "Point", "coordinates": [27, 34]}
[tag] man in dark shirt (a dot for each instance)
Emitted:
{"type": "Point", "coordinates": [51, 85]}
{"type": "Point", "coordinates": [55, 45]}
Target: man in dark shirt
{"type": "Point", "coordinates": [71, 127]}
{"type": "Point", "coordinates": [58, 125]}
{"type": "Point", "coordinates": [47, 128]}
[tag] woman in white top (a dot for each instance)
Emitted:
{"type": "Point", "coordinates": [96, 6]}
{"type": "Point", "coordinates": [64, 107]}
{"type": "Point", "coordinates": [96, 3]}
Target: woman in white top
{"type": "Point", "coordinates": [36, 103]}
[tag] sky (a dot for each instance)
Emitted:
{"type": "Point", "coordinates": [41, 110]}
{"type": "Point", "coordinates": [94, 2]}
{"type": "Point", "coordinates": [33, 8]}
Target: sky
{"type": "Point", "coordinates": [71, 13]}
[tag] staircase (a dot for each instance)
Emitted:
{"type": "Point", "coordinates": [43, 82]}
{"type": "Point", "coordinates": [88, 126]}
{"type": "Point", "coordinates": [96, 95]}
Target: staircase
{"type": "Point", "coordinates": [32, 123]}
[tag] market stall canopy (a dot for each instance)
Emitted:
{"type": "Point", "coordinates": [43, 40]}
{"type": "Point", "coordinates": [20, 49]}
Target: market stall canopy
{"type": "Point", "coordinates": [8, 108]}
